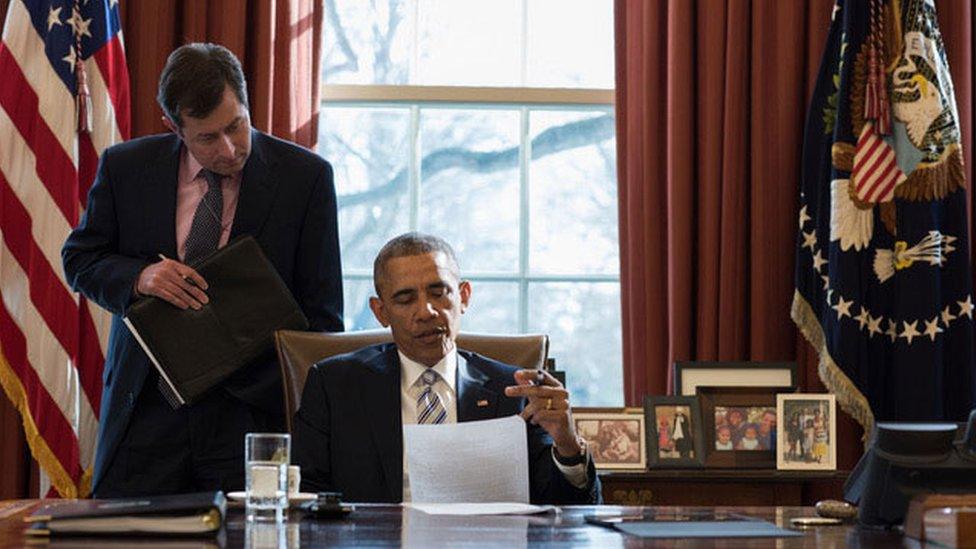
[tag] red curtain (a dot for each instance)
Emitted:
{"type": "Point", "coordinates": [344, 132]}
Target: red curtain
{"type": "Point", "coordinates": [711, 103]}
{"type": "Point", "coordinates": [279, 43]}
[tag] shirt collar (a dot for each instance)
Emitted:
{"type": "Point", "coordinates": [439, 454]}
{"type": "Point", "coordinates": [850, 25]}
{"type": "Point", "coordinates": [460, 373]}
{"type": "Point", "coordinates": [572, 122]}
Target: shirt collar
{"type": "Point", "coordinates": [411, 370]}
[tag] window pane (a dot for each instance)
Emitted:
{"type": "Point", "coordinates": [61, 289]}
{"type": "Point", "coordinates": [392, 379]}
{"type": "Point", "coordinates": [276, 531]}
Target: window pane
{"type": "Point", "coordinates": [570, 43]}
{"type": "Point", "coordinates": [494, 308]}
{"type": "Point", "coordinates": [367, 42]}
{"type": "Point", "coordinates": [369, 150]}
{"type": "Point", "coordinates": [357, 315]}
{"type": "Point", "coordinates": [573, 193]}
{"type": "Point", "coordinates": [470, 43]}
{"type": "Point", "coordinates": [469, 185]}
{"type": "Point", "coordinates": [583, 323]}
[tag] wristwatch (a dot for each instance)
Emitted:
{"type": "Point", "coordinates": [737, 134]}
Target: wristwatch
{"type": "Point", "coordinates": [569, 461]}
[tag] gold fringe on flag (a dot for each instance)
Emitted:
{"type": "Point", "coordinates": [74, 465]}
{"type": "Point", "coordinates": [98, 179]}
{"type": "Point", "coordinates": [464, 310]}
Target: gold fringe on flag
{"type": "Point", "coordinates": [849, 397]}
{"type": "Point", "coordinates": [45, 457]}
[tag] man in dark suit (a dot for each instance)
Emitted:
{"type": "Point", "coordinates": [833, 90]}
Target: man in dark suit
{"type": "Point", "coordinates": [158, 204]}
{"type": "Point", "coordinates": [348, 433]}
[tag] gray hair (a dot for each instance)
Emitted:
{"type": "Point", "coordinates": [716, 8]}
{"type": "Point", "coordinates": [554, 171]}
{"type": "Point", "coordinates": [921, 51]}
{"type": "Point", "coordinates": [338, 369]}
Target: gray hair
{"type": "Point", "coordinates": [408, 244]}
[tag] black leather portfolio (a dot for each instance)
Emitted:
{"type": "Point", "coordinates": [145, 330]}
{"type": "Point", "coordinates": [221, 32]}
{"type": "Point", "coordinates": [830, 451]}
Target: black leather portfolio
{"type": "Point", "coordinates": [196, 350]}
{"type": "Point", "coordinates": [196, 514]}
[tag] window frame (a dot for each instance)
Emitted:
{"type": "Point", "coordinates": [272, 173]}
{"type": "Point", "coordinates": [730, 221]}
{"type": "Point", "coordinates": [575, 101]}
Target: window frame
{"type": "Point", "coordinates": [524, 100]}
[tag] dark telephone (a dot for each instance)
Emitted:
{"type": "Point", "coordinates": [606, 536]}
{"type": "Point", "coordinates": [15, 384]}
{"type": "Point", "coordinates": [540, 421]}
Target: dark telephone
{"type": "Point", "coordinates": [908, 459]}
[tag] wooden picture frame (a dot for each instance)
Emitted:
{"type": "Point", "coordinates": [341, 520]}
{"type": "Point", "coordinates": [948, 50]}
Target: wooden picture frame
{"type": "Point", "coordinates": [742, 439]}
{"type": "Point", "coordinates": [661, 420]}
{"type": "Point", "coordinates": [809, 427]}
{"type": "Point", "coordinates": [690, 375]}
{"type": "Point", "coordinates": [615, 437]}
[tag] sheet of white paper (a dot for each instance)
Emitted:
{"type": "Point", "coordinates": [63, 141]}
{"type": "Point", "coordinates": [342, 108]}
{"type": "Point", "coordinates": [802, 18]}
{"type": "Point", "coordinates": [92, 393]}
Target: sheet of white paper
{"type": "Point", "coordinates": [497, 508]}
{"type": "Point", "coordinates": [470, 462]}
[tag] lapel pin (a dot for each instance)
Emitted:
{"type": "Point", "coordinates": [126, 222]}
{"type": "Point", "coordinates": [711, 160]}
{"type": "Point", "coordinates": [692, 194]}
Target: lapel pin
{"type": "Point", "coordinates": [482, 403]}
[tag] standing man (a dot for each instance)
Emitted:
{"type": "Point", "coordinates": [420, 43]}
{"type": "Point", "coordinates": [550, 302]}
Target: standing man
{"type": "Point", "coordinates": [158, 204]}
{"type": "Point", "coordinates": [348, 433]}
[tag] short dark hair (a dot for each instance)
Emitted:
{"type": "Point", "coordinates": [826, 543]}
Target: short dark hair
{"type": "Point", "coordinates": [408, 244]}
{"type": "Point", "coordinates": [194, 79]}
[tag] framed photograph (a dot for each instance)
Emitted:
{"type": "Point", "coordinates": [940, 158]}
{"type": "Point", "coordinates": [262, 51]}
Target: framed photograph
{"type": "Point", "coordinates": [688, 376]}
{"type": "Point", "coordinates": [740, 426]}
{"type": "Point", "coordinates": [615, 436]}
{"type": "Point", "coordinates": [809, 426]}
{"type": "Point", "coordinates": [674, 431]}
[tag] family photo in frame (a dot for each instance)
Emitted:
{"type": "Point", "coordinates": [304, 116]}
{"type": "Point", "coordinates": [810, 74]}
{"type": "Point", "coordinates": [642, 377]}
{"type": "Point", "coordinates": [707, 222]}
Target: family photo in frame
{"type": "Point", "coordinates": [674, 435]}
{"type": "Point", "coordinates": [809, 426]}
{"type": "Point", "coordinates": [615, 436]}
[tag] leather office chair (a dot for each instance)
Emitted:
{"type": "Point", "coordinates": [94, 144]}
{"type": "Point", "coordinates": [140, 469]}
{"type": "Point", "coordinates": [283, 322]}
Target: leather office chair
{"type": "Point", "coordinates": [298, 351]}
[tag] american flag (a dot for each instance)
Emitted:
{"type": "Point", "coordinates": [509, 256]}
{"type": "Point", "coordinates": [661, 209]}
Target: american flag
{"type": "Point", "coordinates": [64, 98]}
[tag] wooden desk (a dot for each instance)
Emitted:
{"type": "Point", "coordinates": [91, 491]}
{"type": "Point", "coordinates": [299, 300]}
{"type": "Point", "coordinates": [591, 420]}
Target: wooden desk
{"type": "Point", "coordinates": [383, 525]}
{"type": "Point", "coordinates": [738, 487]}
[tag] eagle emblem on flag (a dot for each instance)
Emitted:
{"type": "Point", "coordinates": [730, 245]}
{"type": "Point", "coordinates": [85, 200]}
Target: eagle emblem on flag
{"type": "Point", "coordinates": [881, 291]}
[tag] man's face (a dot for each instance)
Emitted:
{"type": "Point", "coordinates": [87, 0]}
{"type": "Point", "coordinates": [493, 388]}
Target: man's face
{"type": "Point", "coordinates": [422, 301]}
{"type": "Point", "coordinates": [221, 142]}
{"type": "Point", "coordinates": [768, 422]}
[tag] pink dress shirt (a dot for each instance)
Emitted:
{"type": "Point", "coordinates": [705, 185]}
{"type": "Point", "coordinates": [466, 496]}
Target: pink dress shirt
{"type": "Point", "coordinates": [190, 188]}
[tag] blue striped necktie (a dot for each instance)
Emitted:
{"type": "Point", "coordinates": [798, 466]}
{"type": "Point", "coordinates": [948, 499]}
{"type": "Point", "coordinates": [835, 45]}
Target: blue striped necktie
{"type": "Point", "coordinates": [430, 409]}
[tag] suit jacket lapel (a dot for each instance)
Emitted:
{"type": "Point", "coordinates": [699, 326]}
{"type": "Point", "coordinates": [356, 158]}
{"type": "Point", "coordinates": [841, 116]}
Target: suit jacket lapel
{"type": "Point", "coordinates": [159, 199]}
{"type": "Point", "coordinates": [258, 189]}
{"type": "Point", "coordinates": [475, 400]}
{"type": "Point", "coordinates": [380, 397]}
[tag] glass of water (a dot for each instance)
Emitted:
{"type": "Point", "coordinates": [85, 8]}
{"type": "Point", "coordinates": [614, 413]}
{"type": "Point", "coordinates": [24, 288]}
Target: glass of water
{"type": "Point", "coordinates": [266, 457]}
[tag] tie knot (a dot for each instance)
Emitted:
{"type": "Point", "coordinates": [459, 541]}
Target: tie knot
{"type": "Point", "coordinates": [429, 377]}
{"type": "Point", "coordinates": [212, 178]}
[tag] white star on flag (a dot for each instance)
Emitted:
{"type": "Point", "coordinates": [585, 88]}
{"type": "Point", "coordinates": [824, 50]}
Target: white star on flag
{"type": "Point", "coordinates": [842, 307]}
{"type": "Point", "coordinates": [818, 261]}
{"type": "Point", "coordinates": [874, 325]}
{"type": "Point", "coordinates": [862, 318]}
{"type": "Point", "coordinates": [966, 307]}
{"type": "Point", "coordinates": [803, 216]}
{"type": "Point", "coordinates": [53, 17]}
{"type": "Point", "coordinates": [910, 331]}
{"type": "Point", "coordinates": [809, 239]}
{"type": "Point", "coordinates": [892, 330]}
{"type": "Point", "coordinates": [70, 58]}
{"type": "Point", "coordinates": [947, 316]}
{"type": "Point", "coordinates": [932, 327]}
{"type": "Point", "coordinates": [79, 24]}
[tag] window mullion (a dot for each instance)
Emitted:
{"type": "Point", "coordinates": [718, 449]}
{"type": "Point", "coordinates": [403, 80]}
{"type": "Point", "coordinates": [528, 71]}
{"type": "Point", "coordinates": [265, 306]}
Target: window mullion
{"type": "Point", "coordinates": [525, 155]}
{"type": "Point", "coordinates": [415, 158]}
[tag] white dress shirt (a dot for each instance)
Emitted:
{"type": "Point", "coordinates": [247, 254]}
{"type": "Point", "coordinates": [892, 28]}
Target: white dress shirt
{"type": "Point", "coordinates": [445, 387]}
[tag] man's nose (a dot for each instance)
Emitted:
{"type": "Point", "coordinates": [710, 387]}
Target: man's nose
{"type": "Point", "coordinates": [226, 146]}
{"type": "Point", "coordinates": [426, 310]}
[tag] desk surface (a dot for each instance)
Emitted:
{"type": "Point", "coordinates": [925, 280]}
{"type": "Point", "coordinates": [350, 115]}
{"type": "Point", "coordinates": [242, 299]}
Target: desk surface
{"type": "Point", "coordinates": [393, 525]}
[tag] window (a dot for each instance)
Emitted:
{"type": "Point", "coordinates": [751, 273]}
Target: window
{"type": "Point", "coordinates": [490, 124]}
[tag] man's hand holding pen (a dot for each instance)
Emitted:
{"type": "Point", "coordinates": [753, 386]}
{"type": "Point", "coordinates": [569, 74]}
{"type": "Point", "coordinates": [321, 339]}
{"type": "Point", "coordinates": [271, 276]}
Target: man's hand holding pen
{"type": "Point", "coordinates": [173, 282]}
{"type": "Point", "coordinates": [548, 406]}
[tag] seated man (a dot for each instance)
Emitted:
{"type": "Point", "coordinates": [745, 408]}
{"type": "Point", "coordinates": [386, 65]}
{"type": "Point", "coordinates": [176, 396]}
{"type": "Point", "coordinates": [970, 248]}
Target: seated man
{"type": "Point", "coordinates": [348, 433]}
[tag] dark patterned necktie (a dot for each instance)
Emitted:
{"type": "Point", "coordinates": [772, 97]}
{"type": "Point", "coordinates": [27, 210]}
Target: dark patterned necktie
{"type": "Point", "coordinates": [205, 230]}
{"type": "Point", "coordinates": [202, 239]}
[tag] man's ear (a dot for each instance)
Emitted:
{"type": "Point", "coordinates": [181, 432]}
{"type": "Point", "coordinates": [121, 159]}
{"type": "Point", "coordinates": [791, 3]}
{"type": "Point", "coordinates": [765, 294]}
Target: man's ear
{"type": "Point", "coordinates": [170, 125]}
{"type": "Point", "coordinates": [376, 305]}
{"type": "Point", "coordinates": [465, 289]}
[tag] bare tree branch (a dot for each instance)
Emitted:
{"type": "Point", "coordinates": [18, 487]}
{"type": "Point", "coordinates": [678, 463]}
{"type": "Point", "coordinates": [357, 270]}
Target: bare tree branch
{"type": "Point", "coordinates": [551, 141]}
{"type": "Point", "coordinates": [352, 61]}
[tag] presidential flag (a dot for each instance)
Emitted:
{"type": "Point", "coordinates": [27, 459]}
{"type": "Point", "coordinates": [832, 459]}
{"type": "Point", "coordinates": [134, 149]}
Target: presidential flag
{"type": "Point", "coordinates": [883, 281]}
{"type": "Point", "coordinates": [64, 98]}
